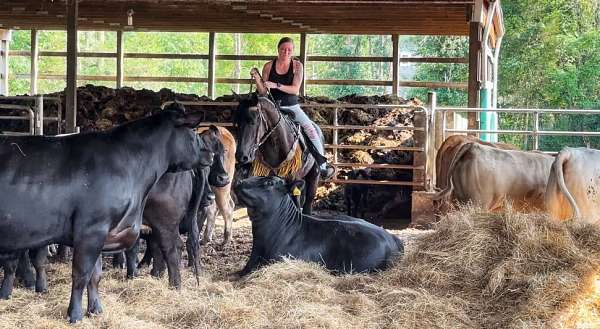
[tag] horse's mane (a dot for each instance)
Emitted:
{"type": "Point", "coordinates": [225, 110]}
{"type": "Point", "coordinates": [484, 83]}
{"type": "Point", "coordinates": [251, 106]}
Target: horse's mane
{"type": "Point", "coordinates": [242, 115]}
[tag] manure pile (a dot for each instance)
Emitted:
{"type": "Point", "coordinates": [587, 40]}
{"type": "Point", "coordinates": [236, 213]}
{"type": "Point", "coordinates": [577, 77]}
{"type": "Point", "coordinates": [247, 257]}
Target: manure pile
{"type": "Point", "coordinates": [475, 270]}
{"type": "Point", "coordinates": [100, 108]}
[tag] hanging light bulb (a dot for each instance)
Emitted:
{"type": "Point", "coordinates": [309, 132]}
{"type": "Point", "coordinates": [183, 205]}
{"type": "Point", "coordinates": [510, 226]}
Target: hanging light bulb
{"type": "Point", "coordinates": [130, 17]}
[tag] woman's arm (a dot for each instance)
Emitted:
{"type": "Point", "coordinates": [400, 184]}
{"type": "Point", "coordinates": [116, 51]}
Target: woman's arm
{"type": "Point", "coordinates": [260, 86]}
{"type": "Point", "coordinates": [294, 88]}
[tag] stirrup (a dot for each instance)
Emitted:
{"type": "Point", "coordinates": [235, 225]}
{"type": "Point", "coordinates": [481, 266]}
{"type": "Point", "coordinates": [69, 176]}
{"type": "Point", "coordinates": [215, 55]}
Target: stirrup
{"type": "Point", "coordinates": [327, 172]}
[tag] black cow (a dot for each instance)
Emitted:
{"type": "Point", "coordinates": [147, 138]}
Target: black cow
{"type": "Point", "coordinates": [171, 208]}
{"type": "Point", "coordinates": [355, 195]}
{"type": "Point", "coordinates": [279, 229]}
{"type": "Point", "coordinates": [89, 190]}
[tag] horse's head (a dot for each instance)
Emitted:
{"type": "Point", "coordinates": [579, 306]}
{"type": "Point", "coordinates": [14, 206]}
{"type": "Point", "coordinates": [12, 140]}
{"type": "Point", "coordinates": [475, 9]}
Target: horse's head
{"type": "Point", "coordinates": [250, 129]}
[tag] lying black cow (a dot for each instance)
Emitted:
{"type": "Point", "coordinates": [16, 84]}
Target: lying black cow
{"type": "Point", "coordinates": [89, 190]}
{"type": "Point", "coordinates": [279, 229]}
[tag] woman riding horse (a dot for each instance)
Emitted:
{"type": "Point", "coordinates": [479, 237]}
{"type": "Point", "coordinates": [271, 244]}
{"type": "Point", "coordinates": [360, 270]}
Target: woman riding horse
{"type": "Point", "coordinates": [283, 77]}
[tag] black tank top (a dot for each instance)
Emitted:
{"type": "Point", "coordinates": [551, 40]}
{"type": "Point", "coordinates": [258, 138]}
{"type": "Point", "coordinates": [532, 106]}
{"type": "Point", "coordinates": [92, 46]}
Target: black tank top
{"type": "Point", "coordinates": [286, 79]}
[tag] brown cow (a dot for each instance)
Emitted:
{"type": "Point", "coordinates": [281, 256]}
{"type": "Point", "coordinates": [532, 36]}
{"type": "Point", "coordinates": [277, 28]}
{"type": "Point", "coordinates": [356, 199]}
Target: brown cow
{"type": "Point", "coordinates": [223, 199]}
{"type": "Point", "coordinates": [447, 151]}
{"type": "Point", "coordinates": [574, 185]}
{"type": "Point", "coordinates": [488, 176]}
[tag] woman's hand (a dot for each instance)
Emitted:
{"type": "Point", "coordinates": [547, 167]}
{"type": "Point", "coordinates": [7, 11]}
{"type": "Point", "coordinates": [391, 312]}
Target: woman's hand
{"type": "Point", "coordinates": [271, 85]}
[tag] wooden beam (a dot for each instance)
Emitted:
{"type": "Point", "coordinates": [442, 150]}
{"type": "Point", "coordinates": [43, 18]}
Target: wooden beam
{"type": "Point", "coordinates": [4, 51]}
{"type": "Point", "coordinates": [120, 59]}
{"type": "Point", "coordinates": [475, 36]}
{"type": "Point", "coordinates": [395, 62]}
{"type": "Point", "coordinates": [303, 52]}
{"type": "Point", "coordinates": [71, 90]}
{"type": "Point", "coordinates": [212, 50]}
{"type": "Point", "coordinates": [34, 63]}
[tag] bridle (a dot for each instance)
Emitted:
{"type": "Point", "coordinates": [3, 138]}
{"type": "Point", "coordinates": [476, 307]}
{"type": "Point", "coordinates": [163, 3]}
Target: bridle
{"type": "Point", "coordinates": [264, 122]}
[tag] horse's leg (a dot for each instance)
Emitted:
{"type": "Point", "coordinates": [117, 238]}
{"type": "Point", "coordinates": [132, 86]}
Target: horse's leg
{"type": "Point", "coordinates": [312, 182]}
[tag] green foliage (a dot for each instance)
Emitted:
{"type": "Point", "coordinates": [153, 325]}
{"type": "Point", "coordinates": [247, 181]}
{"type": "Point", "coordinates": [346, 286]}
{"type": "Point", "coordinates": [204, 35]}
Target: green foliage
{"type": "Point", "coordinates": [550, 58]}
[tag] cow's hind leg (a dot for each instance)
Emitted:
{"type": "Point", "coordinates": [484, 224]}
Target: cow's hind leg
{"type": "Point", "coordinates": [86, 251]}
{"type": "Point", "coordinates": [131, 259]}
{"type": "Point", "coordinates": [94, 306]}
{"type": "Point", "coordinates": [226, 210]}
{"type": "Point", "coordinates": [169, 242]}
{"type": "Point", "coordinates": [40, 260]}
{"type": "Point", "coordinates": [10, 268]}
{"type": "Point", "coordinates": [25, 271]}
{"type": "Point", "coordinates": [209, 216]}
{"type": "Point", "coordinates": [158, 260]}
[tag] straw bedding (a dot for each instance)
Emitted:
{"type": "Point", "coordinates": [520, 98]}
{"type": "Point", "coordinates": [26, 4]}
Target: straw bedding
{"type": "Point", "coordinates": [475, 270]}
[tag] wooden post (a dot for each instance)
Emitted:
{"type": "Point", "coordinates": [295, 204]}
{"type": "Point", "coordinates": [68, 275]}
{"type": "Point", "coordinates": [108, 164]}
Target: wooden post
{"type": "Point", "coordinates": [71, 90]}
{"type": "Point", "coordinates": [211, 64]}
{"type": "Point", "coordinates": [420, 138]}
{"type": "Point", "coordinates": [422, 210]}
{"type": "Point", "coordinates": [303, 57]}
{"type": "Point", "coordinates": [34, 63]}
{"type": "Point", "coordinates": [395, 63]}
{"type": "Point", "coordinates": [120, 59]}
{"type": "Point", "coordinates": [4, 48]}
{"type": "Point", "coordinates": [475, 47]}
{"type": "Point", "coordinates": [433, 135]}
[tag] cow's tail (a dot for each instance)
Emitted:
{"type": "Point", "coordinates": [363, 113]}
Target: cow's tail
{"type": "Point", "coordinates": [561, 158]}
{"type": "Point", "coordinates": [191, 224]}
{"type": "Point", "coordinates": [449, 185]}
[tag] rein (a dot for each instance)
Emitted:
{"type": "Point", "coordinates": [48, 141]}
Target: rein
{"type": "Point", "coordinates": [267, 135]}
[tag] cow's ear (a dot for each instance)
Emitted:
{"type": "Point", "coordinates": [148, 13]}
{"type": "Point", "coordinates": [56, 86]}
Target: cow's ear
{"type": "Point", "coordinates": [295, 188]}
{"type": "Point", "coordinates": [190, 119]}
{"type": "Point", "coordinates": [213, 129]}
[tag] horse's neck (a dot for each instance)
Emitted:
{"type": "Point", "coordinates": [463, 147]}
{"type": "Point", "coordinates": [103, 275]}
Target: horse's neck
{"type": "Point", "coordinates": [280, 142]}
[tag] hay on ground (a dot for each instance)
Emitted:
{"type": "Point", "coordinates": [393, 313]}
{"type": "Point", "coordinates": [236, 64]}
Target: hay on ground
{"type": "Point", "coordinates": [475, 270]}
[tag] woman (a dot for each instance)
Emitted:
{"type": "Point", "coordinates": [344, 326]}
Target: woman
{"type": "Point", "coordinates": [283, 77]}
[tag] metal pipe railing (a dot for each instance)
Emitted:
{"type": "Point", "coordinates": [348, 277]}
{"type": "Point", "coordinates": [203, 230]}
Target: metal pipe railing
{"type": "Point", "coordinates": [336, 146]}
{"type": "Point", "coordinates": [30, 116]}
{"type": "Point", "coordinates": [38, 118]}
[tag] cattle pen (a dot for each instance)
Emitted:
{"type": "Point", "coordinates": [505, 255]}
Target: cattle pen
{"type": "Point", "coordinates": [473, 270]}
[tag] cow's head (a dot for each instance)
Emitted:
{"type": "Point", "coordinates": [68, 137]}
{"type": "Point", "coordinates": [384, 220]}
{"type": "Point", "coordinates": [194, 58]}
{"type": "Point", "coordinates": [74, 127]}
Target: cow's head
{"type": "Point", "coordinates": [187, 149]}
{"type": "Point", "coordinates": [218, 175]}
{"type": "Point", "coordinates": [248, 123]}
{"type": "Point", "coordinates": [267, 195]}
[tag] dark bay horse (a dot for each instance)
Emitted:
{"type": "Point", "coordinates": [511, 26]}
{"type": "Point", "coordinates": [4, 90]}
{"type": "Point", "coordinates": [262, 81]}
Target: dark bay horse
{"type": "Point", "coordinates": [271, 143]}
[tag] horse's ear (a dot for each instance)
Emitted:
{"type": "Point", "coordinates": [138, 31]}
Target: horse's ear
{"type": "Point", "coordinates": [236, 96]}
